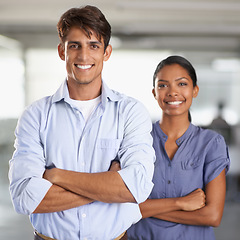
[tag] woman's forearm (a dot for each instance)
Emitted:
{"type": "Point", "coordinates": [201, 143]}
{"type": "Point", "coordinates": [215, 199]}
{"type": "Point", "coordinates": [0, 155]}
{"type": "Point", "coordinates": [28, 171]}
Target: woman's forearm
{"type": "Point", "coordinates": [211, 214]}
{"type": "Point", "coordinates": [191, 202]}
{"type": "Point", "coordinates": [204, 216]}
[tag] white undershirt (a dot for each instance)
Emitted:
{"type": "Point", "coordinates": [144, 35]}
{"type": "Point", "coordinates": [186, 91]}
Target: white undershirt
{"type": "Point", "coordinates": [86, 107]}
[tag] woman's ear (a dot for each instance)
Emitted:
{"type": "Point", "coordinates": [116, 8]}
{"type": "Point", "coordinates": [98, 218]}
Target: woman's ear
{"type": "Point", "coordinates": [195, 91]}
{"type": "Point", "coordinates": [61, 51]}
{"type": "Point", "coordinates": [154, 93]}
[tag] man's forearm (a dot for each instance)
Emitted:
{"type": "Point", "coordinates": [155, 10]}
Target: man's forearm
{"type": "Point", "coordinates": [59, 199]}
{"type": "Point", "coordinates": [104, 187]}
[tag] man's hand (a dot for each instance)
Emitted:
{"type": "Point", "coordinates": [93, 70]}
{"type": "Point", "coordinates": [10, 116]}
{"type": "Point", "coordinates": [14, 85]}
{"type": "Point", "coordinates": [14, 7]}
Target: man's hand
{"type": "Point", "coordinates": [115, 166]}
{"type": "Point", "coordinates": [51, 175]}
{"type": "Point", "coordinates": [193, 201]}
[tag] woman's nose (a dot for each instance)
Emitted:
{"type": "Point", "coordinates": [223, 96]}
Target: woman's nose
{"type": "Point", "coordinates": [172, 91]}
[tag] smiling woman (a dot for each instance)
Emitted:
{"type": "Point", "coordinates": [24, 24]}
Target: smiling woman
{"type": "Point", "coordinates": [188, 196]}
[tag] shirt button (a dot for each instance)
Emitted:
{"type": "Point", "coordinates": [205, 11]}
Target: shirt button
{"type": "Point", "coordinates": [84, 215]}
{"type": "Point", "coordinates": [169, 182]}
{"type": "Point", "coordinates": [179, 141]}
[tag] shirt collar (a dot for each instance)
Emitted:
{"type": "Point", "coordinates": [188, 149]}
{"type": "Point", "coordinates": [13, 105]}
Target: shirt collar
{"type": "Point", "coordinates": [61, 93]}
{"type": "Point", "coordinates": [185, 136]}
{"type": "Point", "coordinates": [107, 94]}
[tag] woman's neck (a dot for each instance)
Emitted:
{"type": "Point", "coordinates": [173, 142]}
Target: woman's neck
{"type": "Point", "coordinates": [174, 126]}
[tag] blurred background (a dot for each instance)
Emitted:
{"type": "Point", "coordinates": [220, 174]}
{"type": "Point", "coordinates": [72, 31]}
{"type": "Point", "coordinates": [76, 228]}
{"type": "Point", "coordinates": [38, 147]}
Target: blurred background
{"type": "Point", "coordinates": [206, 32]}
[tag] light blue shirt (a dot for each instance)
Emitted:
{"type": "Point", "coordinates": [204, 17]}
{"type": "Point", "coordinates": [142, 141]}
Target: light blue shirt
{"type": "Point", "coordinates": [52, 132]}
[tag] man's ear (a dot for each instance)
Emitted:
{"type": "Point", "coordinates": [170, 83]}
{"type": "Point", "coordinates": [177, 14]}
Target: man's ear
{"type": "Point", "coordinates": [195, 91]}
{"type": "Point", "coordinates": [61, 51]}
{"type": "Point", "coordinates": [107, 52]}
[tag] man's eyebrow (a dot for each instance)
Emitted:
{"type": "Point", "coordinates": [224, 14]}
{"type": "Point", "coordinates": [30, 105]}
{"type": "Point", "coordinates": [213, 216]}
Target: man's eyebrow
{"type": "Point", "coordinates": [73, 42]}
{"type": "Point", "coordinates": [90, 42]}
{"type": "Point", "coordinates": [95, 42]}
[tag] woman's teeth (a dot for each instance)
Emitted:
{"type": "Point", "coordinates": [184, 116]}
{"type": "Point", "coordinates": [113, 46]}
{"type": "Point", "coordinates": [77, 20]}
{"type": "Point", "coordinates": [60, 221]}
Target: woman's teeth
{"type": "Point", "coordinates": [174, 103]}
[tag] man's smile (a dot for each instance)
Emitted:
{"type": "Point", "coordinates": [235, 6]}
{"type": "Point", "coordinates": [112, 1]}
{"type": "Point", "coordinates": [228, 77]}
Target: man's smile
{"type": "Point", "coordinates": [84, 67]}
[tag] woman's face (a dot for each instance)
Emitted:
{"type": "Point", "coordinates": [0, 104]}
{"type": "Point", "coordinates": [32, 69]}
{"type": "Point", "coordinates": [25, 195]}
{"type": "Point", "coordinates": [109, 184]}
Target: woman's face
{"type": "Point", "coordinates": [174, 90]}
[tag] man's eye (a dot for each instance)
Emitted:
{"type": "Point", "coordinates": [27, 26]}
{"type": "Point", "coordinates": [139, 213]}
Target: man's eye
{"type": "Point", "coordinates": [95, 46]}
{"type": "Point", "coordinates": [74, 46]}
{"type": "Point", "coordinates": [183, 84]}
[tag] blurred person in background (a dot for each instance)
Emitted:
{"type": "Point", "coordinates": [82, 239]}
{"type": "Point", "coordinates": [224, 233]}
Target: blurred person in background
{"type": "Point", "coordinates": [59, 173]}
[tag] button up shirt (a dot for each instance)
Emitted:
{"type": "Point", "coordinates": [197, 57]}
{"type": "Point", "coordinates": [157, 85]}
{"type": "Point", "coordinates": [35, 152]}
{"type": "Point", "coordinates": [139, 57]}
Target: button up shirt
{"type": "Point", "coordinates": [53, 133]}
{"type": "Point", "coordinates": [201, 156]}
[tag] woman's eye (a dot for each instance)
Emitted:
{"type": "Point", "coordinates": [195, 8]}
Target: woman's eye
{"type": "Point", "coordinates": [183, 84]}
{"type": "Point", "coordinates": [162, 85]}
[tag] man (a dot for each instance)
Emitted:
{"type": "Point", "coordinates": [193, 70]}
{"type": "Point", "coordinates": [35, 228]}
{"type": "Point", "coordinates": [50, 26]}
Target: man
{"type": "Point", "coordinates": [65, 144]}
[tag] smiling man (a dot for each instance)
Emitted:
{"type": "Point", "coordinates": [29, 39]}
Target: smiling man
{"type": "Point", "coordinates": [60, 173]}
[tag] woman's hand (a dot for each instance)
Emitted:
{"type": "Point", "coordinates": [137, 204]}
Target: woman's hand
{"type": "Point", "coordinates": [193, 201]}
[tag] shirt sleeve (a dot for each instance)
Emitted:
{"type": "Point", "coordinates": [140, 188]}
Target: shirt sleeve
{"type": "Point", "coordinates": [217, 159]}
{"type": "Point", "coordinates": [27, 187]}
{"type": "Point", "coordinates": [136, 152]}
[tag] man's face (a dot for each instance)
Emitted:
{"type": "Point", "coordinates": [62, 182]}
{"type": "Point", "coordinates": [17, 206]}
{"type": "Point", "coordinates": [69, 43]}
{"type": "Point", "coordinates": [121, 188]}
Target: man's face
{"type": "Point", "coordinates": [84, 57]}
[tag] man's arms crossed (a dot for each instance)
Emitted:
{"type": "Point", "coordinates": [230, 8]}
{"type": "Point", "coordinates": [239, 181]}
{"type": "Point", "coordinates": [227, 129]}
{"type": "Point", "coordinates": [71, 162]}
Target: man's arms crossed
{"type": "Point", "coordinates": [58, 199]}
{"type": "Point", "coordinates": [72, 189]}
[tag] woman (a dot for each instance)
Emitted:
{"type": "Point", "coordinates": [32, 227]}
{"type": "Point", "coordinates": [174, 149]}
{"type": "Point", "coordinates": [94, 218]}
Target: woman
{"type": "Point", "coordinates": [187, 158]}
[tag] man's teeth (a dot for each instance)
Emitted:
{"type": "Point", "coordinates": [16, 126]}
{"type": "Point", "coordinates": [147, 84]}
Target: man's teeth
{"type": "Point", "coordinates": [84, 66]}
{"type": "Point", "coordinates": [175, 103]}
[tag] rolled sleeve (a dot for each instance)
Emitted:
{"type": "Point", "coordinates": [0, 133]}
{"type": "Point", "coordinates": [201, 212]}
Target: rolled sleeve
{"type": "Point", "coordinates": [26, 201]}
{"type": "Point", "coordinates": [217, 159]}
{"type": "Point", "coordinates": [136, 152]}
{"type": "Point", "coordinates": [27, 187]}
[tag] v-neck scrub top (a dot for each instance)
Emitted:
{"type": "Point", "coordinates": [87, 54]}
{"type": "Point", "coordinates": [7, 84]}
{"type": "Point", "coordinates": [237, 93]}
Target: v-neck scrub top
{"type": "Point", "coordinates": [201, 156]}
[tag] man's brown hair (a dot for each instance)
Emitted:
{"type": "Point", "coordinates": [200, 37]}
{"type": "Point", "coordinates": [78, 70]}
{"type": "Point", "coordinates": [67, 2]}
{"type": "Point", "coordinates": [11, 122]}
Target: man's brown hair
{"type": "Point", "coordinates": [90, 19]}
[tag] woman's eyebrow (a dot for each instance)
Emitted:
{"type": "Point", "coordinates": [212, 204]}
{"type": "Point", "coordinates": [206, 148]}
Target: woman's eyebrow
{"type": "Point", "coordinates": [178, 79]}
{"type": "Point", "coordinates": [161, 80]}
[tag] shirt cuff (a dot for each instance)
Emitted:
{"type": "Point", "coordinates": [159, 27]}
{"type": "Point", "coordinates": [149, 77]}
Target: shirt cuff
{"type": "Point", "coordinates": [31, 197]}
{"type": "Point", "coordinates": [137, 183]}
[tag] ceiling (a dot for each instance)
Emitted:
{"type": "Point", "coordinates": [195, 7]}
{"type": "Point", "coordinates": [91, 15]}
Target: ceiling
{"type": "Point", "coordinates": [210, 27]}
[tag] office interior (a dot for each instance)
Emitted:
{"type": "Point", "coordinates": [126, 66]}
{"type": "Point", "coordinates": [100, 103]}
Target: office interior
{"type": "Point", "coordinates": [207, 33]}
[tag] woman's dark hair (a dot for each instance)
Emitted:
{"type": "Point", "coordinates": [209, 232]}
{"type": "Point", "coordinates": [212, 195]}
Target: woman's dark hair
{"type": "Point", "coordinates": [90, 19]}
{"type": "Point", "coordinates": [184, 63]}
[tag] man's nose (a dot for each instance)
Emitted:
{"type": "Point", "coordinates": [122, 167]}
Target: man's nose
{"type": "Point", "coordinates": [83, 53]}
